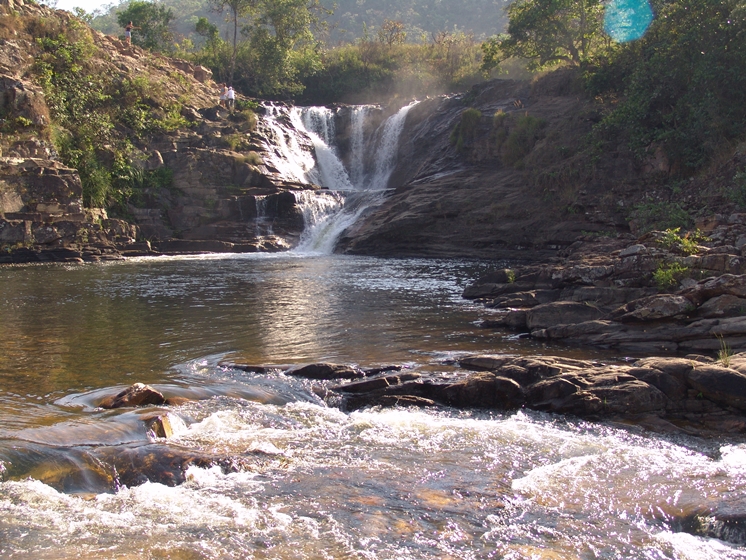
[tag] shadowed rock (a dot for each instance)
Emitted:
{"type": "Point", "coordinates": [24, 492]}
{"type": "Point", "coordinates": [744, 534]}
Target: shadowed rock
{"type": "Point", "coordinates": [325, 371]}
{"type": "Point", "coordinates": [135, 395]}
{"type": "Point", "coordinates": [662, 394]}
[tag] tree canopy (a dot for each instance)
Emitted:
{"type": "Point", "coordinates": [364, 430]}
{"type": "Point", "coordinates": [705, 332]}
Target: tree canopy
{"type": "Point", "coordinates": [154, 22]}
{"type": "Point", "coordinates": [547, 33]}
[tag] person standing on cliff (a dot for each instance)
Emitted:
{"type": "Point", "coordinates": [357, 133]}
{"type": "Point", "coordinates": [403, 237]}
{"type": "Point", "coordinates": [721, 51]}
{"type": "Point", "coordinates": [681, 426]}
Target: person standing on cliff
{"type": "Point", "coordinates": [231, 98]}
{"type": "Point", "coordinates": [128, 32]}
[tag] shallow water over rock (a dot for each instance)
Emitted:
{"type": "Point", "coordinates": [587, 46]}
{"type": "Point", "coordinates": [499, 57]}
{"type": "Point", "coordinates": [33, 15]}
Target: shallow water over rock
{"type": "Point", "coordinates": [261, 467]}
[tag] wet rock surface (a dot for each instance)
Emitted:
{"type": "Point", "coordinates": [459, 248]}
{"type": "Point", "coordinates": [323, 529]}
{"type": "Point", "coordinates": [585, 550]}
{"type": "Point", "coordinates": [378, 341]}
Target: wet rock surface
{"type": "Point", "coordinates": [134, 395]}
{"type": "Point", "coordinates": [695, 395]}
{"type": "Point", "coordinates": [220, 176]}
{"type": "Point", "coordinates": [109, 468]}
{"type": "Point", "coordinates": [620, 293]}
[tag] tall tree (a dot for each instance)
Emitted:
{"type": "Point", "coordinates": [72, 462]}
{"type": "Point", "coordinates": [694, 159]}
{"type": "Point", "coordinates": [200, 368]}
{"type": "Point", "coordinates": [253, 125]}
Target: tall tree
{"type": "Point", "coordinates": [238, 9]}
{"type": "Point", "coordinates": [547, 33]}
{"type": "Point", "coordinates": [154, 21]}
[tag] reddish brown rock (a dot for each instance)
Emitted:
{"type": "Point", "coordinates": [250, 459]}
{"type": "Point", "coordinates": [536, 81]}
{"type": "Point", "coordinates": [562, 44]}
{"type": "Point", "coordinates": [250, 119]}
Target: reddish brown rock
{"type": "Point", "coordinates": [135, 395]}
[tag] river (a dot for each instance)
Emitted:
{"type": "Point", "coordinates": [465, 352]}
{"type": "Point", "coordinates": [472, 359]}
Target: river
{"type": "Point", "coordinates": [320, 483]}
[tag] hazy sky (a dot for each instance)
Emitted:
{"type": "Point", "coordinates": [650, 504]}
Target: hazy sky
{"type": "Point", "coordinates": [87, 5]}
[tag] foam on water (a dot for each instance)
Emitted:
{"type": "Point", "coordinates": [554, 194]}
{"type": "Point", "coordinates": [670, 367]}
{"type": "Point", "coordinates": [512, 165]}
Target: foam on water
{"type": "Point", "coordinates": [392, 482]}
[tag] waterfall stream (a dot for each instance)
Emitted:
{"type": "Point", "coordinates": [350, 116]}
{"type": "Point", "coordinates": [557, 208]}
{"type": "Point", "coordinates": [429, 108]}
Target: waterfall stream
{"type": "Point", "coordinates": [327, 215]}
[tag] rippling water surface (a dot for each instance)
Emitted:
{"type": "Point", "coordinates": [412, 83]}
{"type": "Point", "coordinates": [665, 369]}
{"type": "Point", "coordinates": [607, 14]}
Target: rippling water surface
{"type": "Point", "coordinates": [318, 482]}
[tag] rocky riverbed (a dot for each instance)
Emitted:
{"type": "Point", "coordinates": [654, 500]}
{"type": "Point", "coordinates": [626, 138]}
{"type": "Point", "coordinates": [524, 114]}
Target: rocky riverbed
{"type": "Point", "coordinates": [661, 294]}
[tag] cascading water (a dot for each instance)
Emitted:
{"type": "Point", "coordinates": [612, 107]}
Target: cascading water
{"type": "Point", "coordinates": [358, 117]}
{"type": "Point", "coordinates": [303, 150]}
{"type": "Point", "coordinates": [359, 195]}
{"type": "Point", "coordinates": [289, 153]}
{"type": "Point", "coordinates": [318, 123]}
{"type": "Point", "coordinates": [263, 226]}
{"type": "Point", "coordinates": [387, 148]}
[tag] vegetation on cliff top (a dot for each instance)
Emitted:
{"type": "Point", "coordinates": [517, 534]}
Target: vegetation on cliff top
{"type": "Point", "coordinates": [100, 119]}
{"type": "Point", "coordinates": [679, 88]}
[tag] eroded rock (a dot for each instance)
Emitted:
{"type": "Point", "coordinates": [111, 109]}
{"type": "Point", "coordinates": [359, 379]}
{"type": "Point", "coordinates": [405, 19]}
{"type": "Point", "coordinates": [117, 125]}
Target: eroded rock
{"type": "Point", "coordinates": [325, 371]}
{"type": "Point", "coordinates": [138, 394]}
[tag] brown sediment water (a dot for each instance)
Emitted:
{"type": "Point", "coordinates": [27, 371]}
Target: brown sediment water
{"type": "Point", "coordinates": [319, 482]}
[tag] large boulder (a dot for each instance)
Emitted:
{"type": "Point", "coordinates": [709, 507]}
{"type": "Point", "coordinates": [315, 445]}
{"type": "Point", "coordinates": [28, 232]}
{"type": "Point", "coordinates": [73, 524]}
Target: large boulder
{"type": "Point", "coordinates": [653, 308]}
{"type": "Point", "coordinates": [485, 390]}
{"type": "Point", "coordinates": [325, 371]}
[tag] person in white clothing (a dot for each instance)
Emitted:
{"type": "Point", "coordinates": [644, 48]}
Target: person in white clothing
{"type": "Point", "coordinates": [231, 98]}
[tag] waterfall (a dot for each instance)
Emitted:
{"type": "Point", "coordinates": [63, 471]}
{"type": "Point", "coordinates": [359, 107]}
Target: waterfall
{"type": "Point", "coordinates": [262, 225]}
{"type": "Point", "coordinates": [304, 150]}
{"type": "Point", "coordinates": [318, 122]}
{"type": "Point", "coordinates": [288, 153]}
{"type": "Point", "coordinates": [319, 209]}
{"type": "Point", "coordinates": [321, 233]}
{"type": "Point", "coordinates": [387, 148]}
{"type": "Point", "coordinates": [357, 144]}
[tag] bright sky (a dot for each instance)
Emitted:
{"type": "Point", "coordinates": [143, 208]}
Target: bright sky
{"type": "Point", "coordinates": [88, 5]}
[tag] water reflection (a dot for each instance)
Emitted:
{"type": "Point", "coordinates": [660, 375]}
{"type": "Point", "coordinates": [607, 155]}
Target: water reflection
{"type": "Point", "coordinates": [374, 484]}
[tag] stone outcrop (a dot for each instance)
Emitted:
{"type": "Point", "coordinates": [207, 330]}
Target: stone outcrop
{"type": "Point", "coordinates": [695, 395]}
{"type": "Point", "coordinates": [134, 395]}
{"type": "Point", "coordinates": [470, 199]}
{"type": "Point", "coordinates": [609, 293]}
{"type": "Point", "coordinates": [100, 469]}
{"type": "Point", "coordinates": [223, 190]}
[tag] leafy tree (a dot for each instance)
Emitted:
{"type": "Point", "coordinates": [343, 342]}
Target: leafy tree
{"type": "Point", "coordinates": [392, 33]}
{"type": "Point", "coordinates": [237, 10]}
{"type": "Point", "coordinates": [683, 85]}
{"type": "Point", "coordinates": [547, 33]}
{"type": "Point", "coordinates": [154, 21]}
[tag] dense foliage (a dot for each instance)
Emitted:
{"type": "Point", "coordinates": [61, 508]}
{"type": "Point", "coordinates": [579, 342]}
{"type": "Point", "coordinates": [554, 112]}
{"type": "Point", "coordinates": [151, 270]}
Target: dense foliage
{"type": "Point", "coordinates": [276, 49]}
{"type": "Point", "coordinates": [682, 87]}
{"type": "Point", "coordinates": [153, 27]}
{"type": "Point", "coordinates": [99, 117]}
{"type": "Point", "coordinates": [548, 32]}
{"type": "Point", "coordinates": [679, 88]}
{"type": "Point", "coordinates": [348, 20]}
{"type": "Point", "coordinates": [375, 69]}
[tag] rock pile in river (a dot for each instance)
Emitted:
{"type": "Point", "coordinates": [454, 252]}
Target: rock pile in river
{"type": "Point", "coordinates": [696, 394]}
{"type": "Point", "coordinates": [660, 294]}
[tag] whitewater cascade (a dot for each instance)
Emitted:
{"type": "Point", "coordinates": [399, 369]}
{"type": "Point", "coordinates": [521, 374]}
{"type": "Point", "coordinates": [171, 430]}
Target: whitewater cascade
{"type": "Point", "coordinates": [306, 152]}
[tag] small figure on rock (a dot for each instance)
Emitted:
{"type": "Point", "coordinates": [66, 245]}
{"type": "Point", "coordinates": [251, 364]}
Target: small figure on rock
{"type": "Point", "coordinates": [128, 32]}
{"type": "Point", "coordinates": [222, 100]}
{"type": "Point", "coordinates": [231, 98]}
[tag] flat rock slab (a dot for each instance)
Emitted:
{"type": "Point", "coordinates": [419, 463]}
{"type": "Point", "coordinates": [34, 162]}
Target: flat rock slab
{"type": "Point", "coordinates": [256, 368]}
{"type": "Point", "coordinates": [376, 384]}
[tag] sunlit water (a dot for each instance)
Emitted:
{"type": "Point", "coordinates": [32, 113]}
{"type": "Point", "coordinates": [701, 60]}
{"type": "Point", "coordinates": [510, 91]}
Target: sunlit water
{"type": "Point", "coordinates": [372, 484]}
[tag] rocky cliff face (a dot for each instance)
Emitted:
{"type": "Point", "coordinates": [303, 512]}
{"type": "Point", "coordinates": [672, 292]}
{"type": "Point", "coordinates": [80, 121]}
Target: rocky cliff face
{"type": "Point", "coordinates": [220, 179]}
{"type": "Point", "coordinates": [510, 186]}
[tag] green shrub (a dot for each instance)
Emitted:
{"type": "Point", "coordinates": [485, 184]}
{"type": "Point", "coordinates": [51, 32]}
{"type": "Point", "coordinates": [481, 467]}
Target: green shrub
{"type": "Point", "coordinates": [236, 142]}
{"type": "Point", "coordinates": [522, 138]}
{"type": "Point", "coordinates": [466, 130]}
{"type": "Point", "coordinates": [252, 158]}
{"type": "Point", "coordinates": [687, 244]}
{"type": "Point", "coordinates": [650, 216]}
{"type": "Point", "coordinates": [245, 116]}
{"type": "Point", "coordinates": [668, 275]}
{"type": "Point", "coordinates": [737, 192]}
